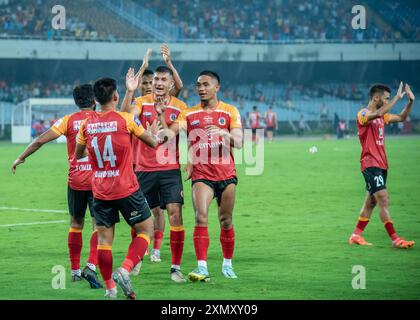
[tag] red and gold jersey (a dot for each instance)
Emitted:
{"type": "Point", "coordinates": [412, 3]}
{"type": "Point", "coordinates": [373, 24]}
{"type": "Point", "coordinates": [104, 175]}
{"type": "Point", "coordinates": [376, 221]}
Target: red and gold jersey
{"type": "Point", "coordinates": [164, 156]}
{"type": "Point", "coordinates": [254, 119]}
{"type": "Point", "coordinates": [372, 139]}
{"type": "Point", "coordinates": [80, 171]}
{"type": "Point", "coordinates": [108, 139]}
{"type": "Point", "coordinates": [212, 156]}
{"type": "Point", "coordinates": [270, 119]}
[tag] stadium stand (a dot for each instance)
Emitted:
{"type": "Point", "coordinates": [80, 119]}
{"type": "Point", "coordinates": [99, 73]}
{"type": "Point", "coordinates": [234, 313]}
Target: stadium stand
{"type": "Point", "coordinates": [200, 20]}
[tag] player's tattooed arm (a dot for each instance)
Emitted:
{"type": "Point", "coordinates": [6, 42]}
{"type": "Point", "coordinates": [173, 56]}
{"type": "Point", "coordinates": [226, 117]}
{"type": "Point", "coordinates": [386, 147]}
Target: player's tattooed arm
{"type": "Point", "coordinates": [407, 109]}
{"type": "Point", "coordinates": [44, 138]}
{"type": "Point", "coordinates": [166, 55]}
{"type": "Point", "coordinates": [131, 84]}
{"type": "Point", "coordinates": [234, 136]}
{"type": "Point", "coordinates": [387, 107]}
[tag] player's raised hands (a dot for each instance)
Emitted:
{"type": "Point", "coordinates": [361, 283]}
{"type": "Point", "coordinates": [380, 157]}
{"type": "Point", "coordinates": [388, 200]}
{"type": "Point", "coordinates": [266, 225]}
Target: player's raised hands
{"type": "Point", "coordinates": [410, 94]}
{"type": "Point", "coordinates": [400, 93]}
{"type": "Point", "coordinates": [156, 130]}
{"type": "Point", "coordinates": [166, 54]}
{"type": "Point", "coordinates": [213, 130]}
{"type": "Point", "coordinates": [131, 80]}
{"type": "Point", "coordinates": [146, 59]}
{"type": "Point", "coordinates": [17, 162]}
{"type": "Point", "coordinates": [160, 104]}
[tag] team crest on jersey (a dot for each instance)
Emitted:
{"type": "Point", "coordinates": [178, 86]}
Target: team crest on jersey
{"type": "Point", "coordinates": [363, 113]}
{"type": "Point", "coordinates": [195, 122]}
{"type": "Point", "coordinates": [208, 119]}
{"type": "Point", "coordinates": [147, 114]}
{"type": "Point", "coordinates": [222, 121]}
{"type": "Point", "coordinates": [172, 117]}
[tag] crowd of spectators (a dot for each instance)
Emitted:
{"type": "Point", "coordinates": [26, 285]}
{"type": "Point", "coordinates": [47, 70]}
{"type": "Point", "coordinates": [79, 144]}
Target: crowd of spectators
{"type": "Point", "coordinates": [33, 18]}
{"type": "Point", "coordinates": [269, 20]}
{"type": "Point", "coordinates": [248, 20]}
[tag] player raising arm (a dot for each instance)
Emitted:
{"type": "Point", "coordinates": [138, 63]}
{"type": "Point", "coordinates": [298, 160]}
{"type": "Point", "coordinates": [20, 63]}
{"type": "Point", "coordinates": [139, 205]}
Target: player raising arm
{"type": "Point", "coordinates": [79, 190]}
{"type": "Point", "coordinates": [213, 128]}
{"type": "Point", "coordinates": [371, 123]}
{"type": "Point", "coordinates": [107, 137]}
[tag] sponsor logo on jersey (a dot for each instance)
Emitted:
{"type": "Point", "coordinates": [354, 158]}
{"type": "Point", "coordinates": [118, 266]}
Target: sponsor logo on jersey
{"type": "Point", "coordinates": [102, 127]}
{"type": "Point", "coordinates": [208, 119]}
{"type": "Point", "coordinates": [222, 121]}
{"type": "Point", "coordinates": [195, 122]}
{"type": "Point", "coordinates": [147, 114]}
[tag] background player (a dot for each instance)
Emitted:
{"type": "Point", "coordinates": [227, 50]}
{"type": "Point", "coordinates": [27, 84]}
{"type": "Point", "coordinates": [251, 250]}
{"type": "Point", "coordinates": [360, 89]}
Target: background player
{"type": "Point", "coordinates": [254, 122]}
{"type": "Point", "coordinates": [371, 123]}
{"type": "Point", "coordinates": [106, 135]}
{"type": "Point", "coordinates": [79, 190]}
{"type": "Point", "coordinates": [270, 123]}
{"type": "Point", "coordinates": [213, 127]}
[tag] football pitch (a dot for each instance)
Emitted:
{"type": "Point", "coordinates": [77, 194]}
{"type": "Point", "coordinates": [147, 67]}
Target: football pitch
{"type": "Point", "coordinates": [292, 225]}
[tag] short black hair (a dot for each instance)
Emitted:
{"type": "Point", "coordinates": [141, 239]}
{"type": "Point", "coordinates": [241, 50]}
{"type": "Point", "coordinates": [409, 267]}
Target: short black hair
{"type": "Point", "coordinates": [104, 89]}
{"type": "Point", "coordinates": [164, 69]}
{"type": "Point", "coordinates": [83, 96]}
{"type": "Point", "coordinates": [211, 74]}
{"type": "Point", "coordinates": [148, 72]}
{"type": "Point", "coordinates": [254, 107]}
{"type": "Point", "coordinates": [378, 88]}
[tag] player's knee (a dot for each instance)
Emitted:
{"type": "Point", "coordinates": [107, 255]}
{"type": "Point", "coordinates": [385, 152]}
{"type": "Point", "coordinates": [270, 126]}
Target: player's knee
{"type": "Point", "coordinates": [77, 222]}
{"type": "Point", "coordinates": [382, 199]}
{"type": "Point", "coordinates": [157, 212]}
{"type": "Point", "coordinates": [175, 219]}
{"type": "Point", "coordinates": [225, 221]}
{"type": "Point", "coordinates": [201, 218]}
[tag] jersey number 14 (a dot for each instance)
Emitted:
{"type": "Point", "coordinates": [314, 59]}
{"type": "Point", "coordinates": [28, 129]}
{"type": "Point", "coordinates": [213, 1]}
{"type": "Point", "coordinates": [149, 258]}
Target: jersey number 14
{"type": "Point", "coordinates": [108, 154]}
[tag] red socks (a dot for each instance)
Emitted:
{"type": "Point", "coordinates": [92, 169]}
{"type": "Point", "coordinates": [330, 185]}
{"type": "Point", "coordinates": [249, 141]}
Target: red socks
{"type": "Point", "coordinates": [177, 237]}
{"type": "Point", "coordinates": [105, 265]}
{"type": "Point", "coordinates": [136, 251]}
{"type": "Point", "coordinates": [201, 242]}
{"type": "Point", "coordinates": [361, 225]}
{"type": "Point", "coordinates": [389, 226]}
{"type": "Point", "coordinates": [75, 247]}
{"type": "Point", "coordinates": [93, 249]}
{"type": "Point", "coordinates": [157, 242]}
{"type": "Point", "coordinates": [227, 240]}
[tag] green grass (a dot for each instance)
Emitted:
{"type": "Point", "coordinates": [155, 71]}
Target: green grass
{"type": "Point", "coordinates": [292, 224]}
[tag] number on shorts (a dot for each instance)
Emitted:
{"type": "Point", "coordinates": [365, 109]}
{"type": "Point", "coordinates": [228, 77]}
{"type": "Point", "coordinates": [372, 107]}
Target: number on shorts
{"type": "Point", "coordinates": [108, 154]}
{"type": "Point", "coordinates": [379, 181]}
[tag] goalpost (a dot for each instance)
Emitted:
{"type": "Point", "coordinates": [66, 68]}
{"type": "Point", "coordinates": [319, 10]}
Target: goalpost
{"type": "Point", "coordinates": [32, 111]}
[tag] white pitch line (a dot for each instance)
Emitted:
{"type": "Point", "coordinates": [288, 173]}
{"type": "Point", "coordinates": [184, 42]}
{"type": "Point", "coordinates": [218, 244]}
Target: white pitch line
{"type": "Point", "coordinates": [31, 223]}
{"type": "Point", "coordinates": [33, 210]}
